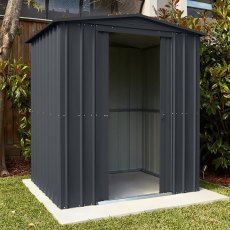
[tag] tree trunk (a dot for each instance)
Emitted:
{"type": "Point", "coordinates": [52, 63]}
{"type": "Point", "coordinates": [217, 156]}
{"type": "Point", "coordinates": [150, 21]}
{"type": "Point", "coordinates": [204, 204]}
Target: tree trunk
{"type": "Point", "coordinates": [7, 35]}
{"type": "Point", "coordinates": [114, 7]}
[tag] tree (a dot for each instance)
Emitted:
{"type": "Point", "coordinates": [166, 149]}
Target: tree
{"type": "Point", "coordinates": [8, 31]}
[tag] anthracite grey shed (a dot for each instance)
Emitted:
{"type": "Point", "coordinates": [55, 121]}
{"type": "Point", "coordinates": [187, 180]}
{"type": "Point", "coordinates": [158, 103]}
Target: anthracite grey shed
{"type": "Point", "coordinates": [115, 109]}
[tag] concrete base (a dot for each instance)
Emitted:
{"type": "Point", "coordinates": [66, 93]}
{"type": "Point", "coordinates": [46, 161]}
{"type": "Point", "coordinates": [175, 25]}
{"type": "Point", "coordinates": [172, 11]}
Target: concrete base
{"type": "Point", "coordinates": [82, 214]}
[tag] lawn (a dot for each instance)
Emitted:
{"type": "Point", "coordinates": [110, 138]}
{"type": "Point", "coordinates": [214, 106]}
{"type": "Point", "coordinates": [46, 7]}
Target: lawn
{"type": "Point", "coordinates": [20, 210]}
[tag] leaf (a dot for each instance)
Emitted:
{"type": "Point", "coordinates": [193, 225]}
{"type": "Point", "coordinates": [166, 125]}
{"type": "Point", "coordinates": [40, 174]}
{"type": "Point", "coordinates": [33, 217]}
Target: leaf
{"type": "Point", "coordinates": [226, 115]}
{"type": "Point", "coordinates": [224, 87]}
{"type": "Point", "coordinates": [227, 103]}
{"type": "Point", "coordinates": [227, 96]}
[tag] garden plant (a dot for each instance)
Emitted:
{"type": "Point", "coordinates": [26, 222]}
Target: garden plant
{"type": "Point", "coordinates": [215, 79]}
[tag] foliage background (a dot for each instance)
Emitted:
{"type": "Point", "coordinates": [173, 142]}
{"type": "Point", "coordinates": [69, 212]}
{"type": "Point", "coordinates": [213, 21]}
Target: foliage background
{"type": "Point", "coordinates": [215, 79]}
{"type": "Point", "coordinates": [16, 82]}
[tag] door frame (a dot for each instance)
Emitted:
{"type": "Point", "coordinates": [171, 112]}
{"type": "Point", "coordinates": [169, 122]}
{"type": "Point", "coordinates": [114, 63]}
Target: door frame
{"type": "Point", "coordinates": [102, 107]}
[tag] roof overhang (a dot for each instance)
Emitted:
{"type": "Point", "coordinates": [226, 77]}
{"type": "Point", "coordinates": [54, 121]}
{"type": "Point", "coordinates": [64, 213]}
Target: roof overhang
{"type": "Point", "coordinates": [96, 19]}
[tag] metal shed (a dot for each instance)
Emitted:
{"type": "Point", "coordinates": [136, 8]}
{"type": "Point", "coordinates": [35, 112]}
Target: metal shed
{"type": "Point", "coordinates": [115, 109]}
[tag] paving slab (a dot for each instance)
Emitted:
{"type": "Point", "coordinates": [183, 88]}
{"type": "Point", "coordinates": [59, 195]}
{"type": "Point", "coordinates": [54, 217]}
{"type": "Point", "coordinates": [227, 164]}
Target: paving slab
{"type": "Point", "coordinates": [122, 208]}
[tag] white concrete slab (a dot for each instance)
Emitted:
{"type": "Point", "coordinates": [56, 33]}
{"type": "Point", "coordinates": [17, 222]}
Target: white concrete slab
{"type": "Point", "coordinates": [116, 209]}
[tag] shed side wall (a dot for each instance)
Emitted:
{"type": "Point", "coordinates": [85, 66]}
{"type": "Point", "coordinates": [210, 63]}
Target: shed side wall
{"type": "Point", "coordinates": [73, 38]}
{"type": "Point", "coordinates": [46, 161]}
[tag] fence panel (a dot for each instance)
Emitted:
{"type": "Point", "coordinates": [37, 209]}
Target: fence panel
{"type": "Point", "coordinates": [20, 49]}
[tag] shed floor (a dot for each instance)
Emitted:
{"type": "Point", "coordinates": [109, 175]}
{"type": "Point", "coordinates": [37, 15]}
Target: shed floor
{"type": "Point", "coordinates": [131, 184]}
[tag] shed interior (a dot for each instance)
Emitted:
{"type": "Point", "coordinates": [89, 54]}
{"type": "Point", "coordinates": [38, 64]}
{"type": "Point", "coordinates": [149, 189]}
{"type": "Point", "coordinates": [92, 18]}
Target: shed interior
{"type": "Point", "coordinates": [134, 119]}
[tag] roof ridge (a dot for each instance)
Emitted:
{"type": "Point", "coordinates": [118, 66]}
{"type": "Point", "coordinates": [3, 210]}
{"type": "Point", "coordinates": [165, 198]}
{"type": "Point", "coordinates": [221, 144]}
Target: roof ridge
{"type": "Point", "coordinates": [111, 17]}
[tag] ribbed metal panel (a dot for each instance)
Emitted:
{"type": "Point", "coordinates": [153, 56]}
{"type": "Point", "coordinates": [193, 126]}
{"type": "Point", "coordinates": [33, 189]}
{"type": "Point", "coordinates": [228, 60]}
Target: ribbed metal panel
{"type": "Point", "coordinates": [46, 153]}
{"type": "Point", "coordinates": [166, 145]}
{"type": "Point", "coordinates": [185, 114]}
{"type": "Point", "coordinates": [70, 109]}
{"type": "Point", "coordinates": [88, 107]}
{"type": "Point", "coordinates": [197, 122]}
{"type": "Point", "coordinates": [181, 115]}
{"type": "Point", "coordinates": [102, 115]}
{"type": "Point", "coordinates": [191, 114]}
{"type": "Point", "coordinates": [74, 69]}
{"type": "Point", "coordinates": [62, 70]}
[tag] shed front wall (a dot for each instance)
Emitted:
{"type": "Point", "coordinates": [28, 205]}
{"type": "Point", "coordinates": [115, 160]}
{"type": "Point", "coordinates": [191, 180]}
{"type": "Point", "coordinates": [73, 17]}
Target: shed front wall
{"type": "Point", "coordinates": [180, 109]}
{"type": "Point", "coordinates": [68, 150]}
{"type": "Point", "coordinates": [179, 154]}
{"type": "Point", "coordinates": [86, 99]}
{"type": "Point", "coordinates": [72, 150]}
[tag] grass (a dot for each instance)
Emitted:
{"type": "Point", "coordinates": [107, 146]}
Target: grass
{"type": "Point", "coordinates": [20, 210]}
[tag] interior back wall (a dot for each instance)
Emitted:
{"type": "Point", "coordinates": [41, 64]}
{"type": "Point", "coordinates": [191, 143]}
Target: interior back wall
{"type": "Point", "coordinates": [134, 129]}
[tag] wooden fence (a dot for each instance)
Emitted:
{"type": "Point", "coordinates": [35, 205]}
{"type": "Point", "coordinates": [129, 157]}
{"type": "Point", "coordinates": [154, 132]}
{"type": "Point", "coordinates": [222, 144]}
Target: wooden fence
{"type": "Point", "coordinates": [20, 50]}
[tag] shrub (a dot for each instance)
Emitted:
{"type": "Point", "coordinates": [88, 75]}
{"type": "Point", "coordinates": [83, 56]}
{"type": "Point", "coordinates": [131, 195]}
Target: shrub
{"type": "Point", "coordinates": [215, 89]}
{"type": "Point", "coordinates": [17, 85]}
{"type": "Point", "coordinates": [215, 78]}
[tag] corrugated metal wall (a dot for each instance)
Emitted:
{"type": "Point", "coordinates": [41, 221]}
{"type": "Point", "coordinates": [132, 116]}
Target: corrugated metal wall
{"type": "Point", "coordinates": [46, 114]}
{"type": "Point", "coordinates": [180, 125]}
{"type": "Point", "coordinates": [68, 91]}
{"type": "Point", "coordinates": [86, 106]}
{"type": "Point", "coordinates": [134, 123]}
{"type": "Point", "coordinates": [73, 62]}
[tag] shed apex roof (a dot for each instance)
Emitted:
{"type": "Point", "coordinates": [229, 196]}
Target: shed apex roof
{"type": "Point", "coordinates": [109, 18]}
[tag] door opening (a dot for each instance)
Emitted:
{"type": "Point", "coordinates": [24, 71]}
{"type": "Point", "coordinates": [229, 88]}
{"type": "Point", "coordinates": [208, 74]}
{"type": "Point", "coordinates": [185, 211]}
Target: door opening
{"type": "Point", "coordinates": [134, 115]}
